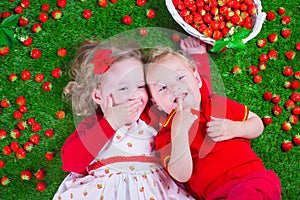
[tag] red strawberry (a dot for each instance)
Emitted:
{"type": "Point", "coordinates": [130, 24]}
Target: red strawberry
{"type": "Point", "coordinates": [4, 103]}
{"type": "Point", "coordinates": [297, 75]}
{"type": "Point", "coordinates": [87, 14]}
{"type": "Point", "coordinates": [236, 70]}
{"type": "Point", "coordinates": [267, 120]}
{"type": "Point", "coordinates": [176, 37]}
{"type": "Point", "coordinates": [36, 28]}
{"type": "Point", "coordinates": [56, 14]}
{"type": "Point", "coordinates": [4, 180]}
{"type": "Point", "coordinates": [61, 3]}
{"type": "Point", "coordinates": [45, 7]}
{"type": "Point", "coordinates": [285, 32]}
{"type": "Point", "coordinates": [281, 11]}
{"type": "Point", "coordinates": [6, 150]}
{"type": "Point", "coordinates": [287, 84]}
{"type": "Point", "coordinates": [25, 75]}
{"type": "Point", "coordinates": [287, 71]}
{"type": "Point", "coordinates": [35, 53]}
{"type": "Point", "coordinates": [26, 175]}
{"type": "Point", "coordinates": [21, 100]}
{"type": "Point", "coordinates": [36, 127]}
{"type": "Point", "coordinates": [22, 125]}
{"type": "Point", "coordinates": [15, 133]}
{"type": "Point", "coordinates": [21, 153]}
{"type": "Point", "coordinates": [27, 41]}
{"type": "Point", "coordinates": [6, 14]}
{"type": "Point", "coordinates": [30, 121]}
{"type": "Point", "coordinates": [263, 58]}
{"type": "Point", "coordinates": [286, 145]}
{"type": "Point", "coordinates": [28, 146]}
{"type": "Point", "coordinates": [267, 96]}
{"type": "Point", "coordinates": [41, 186]}
{"type": "Point", "coordinates": [23, 21]}
{"type": "Point", "coordinates": [295, 84]}
{"type": "Point", "coordinates": [273, 55]}
{"type": "Point", "coordinates": [276, 99]}
{"type": "Point", "coordinates": [3, 134]}
{"type": "Point", "coordinates": [150, 13]}
{"type": "Point", "coordinates": [143, 32]}
{"type": "Point", "coordinates": [127, 20]}
{"type": "Point", "coordinates": [295, 96]}
{"type": "Point", "coordinates": [252, 9]}
{"type": "Point", "coordinates": [62, 52]}
{"type": "Point", "coordinates": [286, 19]}
{"type": "Point", "coordinates": [25, 3]}
{"type": "Point", "coordinates": [296, 110]}
{"type": "Point", "coordinates": [40, 174]}
{"type": "Point", "coordinates": [39, 78]}
{"type": "Point", "coordinates": [2, 164]}
{"type": "Point", "coordinates": [49, 133]}
{"type": "Point", "coordinates": [271, 15]}
{"type": "Point", "coordinates": [14, 146]}
{"type": "Point", "coordinates": [293, 119]}
{"type": "Point", "coordinates": [113, 1]}
{"type": "Point", "coordinates": [261, 43]}
{"type": "Point", "coordinates": [253, 70]}
{"type": "Point", "coordinates": [290, 55]}
{"type": "Point", "coordinates": [23, 109]}
{"type": "Point", "coordinates": [262, 66]}
{"type": "Point", "coordinates": [18, 114]}
{"type": "Point", "coordinates": [43, 17]}
{"type": "Point", "coordinates": [102, 3]}
{"type": "Point", "coordinates": [47, 86]}
{"type": "Point", "coordinates": [35, 139]}
{"type": "Point", "coordinates": [273, 37]}
{"type": "Point", "coordinates": [49, 155]}
{"type": "Point", "coordinates": [257, 78]}
{"type": "Point", "coordinates": [297, 46]}
{"type": "Point", "coordinates": [289, 104]}
{"type": "Point", "coordinates": [277, 110]}
{"type": "Point", "coordinates": [141, 2]}
{"type": "Point", "coordinates": [18, 9]}
{"type": "Point", "coordinates": [296, 140]}
{"type": "Point", "coordinates": [56, 73]}
{"type": "Point", "coordinates": [60, 114]}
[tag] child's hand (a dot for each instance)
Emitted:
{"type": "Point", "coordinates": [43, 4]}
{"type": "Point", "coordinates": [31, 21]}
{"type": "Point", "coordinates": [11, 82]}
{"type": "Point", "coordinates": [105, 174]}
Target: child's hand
{"type": "Point", "coordinates": [122, 114]}
{"type": "Point", "coordinates": [222, 129]}
{"type": "Point", "coordinates": [192, 45]}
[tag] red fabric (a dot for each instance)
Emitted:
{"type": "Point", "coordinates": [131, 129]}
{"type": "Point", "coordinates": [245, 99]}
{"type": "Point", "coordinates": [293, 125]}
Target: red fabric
{"type": "Point", "coordinates": [214, 164]}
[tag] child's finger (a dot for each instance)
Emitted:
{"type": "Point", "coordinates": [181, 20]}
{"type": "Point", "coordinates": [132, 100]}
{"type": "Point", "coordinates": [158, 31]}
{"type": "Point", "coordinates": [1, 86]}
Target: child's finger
{"type": "Point", "coordinates": [179, 105]}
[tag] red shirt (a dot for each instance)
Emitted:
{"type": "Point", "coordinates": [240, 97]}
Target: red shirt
{"type": "Point", "coordinates": [213, 163]}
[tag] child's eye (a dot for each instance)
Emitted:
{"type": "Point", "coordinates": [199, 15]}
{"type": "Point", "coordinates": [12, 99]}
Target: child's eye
{"type": "Point", "coordinates": [162, 88]}
{"type": "Point", "coordinates": [141, 86]}
{"type": "Point", "coordinates": [181, 77]}
{"type": "Point", "coordinates": [123, 88]}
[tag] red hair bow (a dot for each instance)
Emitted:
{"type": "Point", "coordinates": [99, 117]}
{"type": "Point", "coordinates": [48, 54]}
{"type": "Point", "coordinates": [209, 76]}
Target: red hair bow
{"type": "Point", "coordinates": [102, 61]}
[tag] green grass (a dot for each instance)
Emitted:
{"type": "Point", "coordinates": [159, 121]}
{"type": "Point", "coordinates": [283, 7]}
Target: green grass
{"type": "Point", "coordinates": [72, 29]}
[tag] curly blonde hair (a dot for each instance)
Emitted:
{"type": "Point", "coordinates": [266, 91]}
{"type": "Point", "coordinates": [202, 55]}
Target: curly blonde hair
{"type": "Point", "coordinates": [82, 70]}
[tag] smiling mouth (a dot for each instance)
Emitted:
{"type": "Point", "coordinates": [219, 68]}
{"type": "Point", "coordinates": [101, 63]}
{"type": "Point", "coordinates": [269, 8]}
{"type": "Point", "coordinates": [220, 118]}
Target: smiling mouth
{"type": "Point", "coordinates": [183, 95]}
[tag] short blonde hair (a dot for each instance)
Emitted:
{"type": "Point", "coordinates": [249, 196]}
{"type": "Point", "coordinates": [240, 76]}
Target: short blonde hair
{"type": "Point", "coordinates": [82, 70]}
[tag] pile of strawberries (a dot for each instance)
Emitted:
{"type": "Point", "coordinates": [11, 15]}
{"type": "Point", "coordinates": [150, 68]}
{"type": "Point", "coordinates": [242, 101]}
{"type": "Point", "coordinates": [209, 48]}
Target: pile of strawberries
{"type": "Point", "coordinates": [217, 18]}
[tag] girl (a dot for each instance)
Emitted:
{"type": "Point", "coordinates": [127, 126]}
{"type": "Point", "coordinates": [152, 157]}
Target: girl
{"type": "Point", "coordinates": [111, 153]}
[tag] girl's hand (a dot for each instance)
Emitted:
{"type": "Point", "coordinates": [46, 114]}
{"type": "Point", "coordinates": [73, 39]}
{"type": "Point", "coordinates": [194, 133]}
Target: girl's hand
{"type": "Point", "coordinates": [192, 45]}
{"type": "Point", "coordinates": [122, 114]}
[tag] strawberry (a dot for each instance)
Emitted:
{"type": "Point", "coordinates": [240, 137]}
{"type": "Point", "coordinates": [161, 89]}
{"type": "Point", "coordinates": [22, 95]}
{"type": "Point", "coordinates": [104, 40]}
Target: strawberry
{"type": "Point", "coordinates": [30, 121]}
{"type": "Point", "coordinates": [35, 53]}
{"type": "Point", "coordinates": [127, 20]}
{"type": "Point", "coordinates": [102, 3]}
{"type": "Point", "coordinates": [252, 9]}
{"type": "Point", "coordinates": [287, 84]}
{"type": "Point", "coordinates": [289, 104]}
{"type": "Point", "coordinates": [49, 155]}
{"type": "Point", "coordinates": [56, 73]}
{"type": "Point", "coordinates": [150, 13]}
{"type": "Point", "coordinates": [56, 14]}
{"type": "Point", "coordinates": [18, 9]}
{"type": "Point", "coordinates": [36, 28]}
{"type": "Point", "coordinates": [287, 71]}
{"type": "Point", "coordinates": [62, 52]}
{"type": "Point", "coordinates": [297, 75]}
{"type": "Point", "coordinates": [15, 133]}
{"type": "Point", "coordinates": [236, 70]}
{"type": "Point", "coordinates": [267, 120]}
{"type": "Point", "coordinates": [270, 15]}
{"type": "Point", "coordinates": [40, 174]}
{"type": "Point", "coordinates": [208, 32]}
{"type": "Point", "coordinates": [285, 32]}
{"type": "Point", "coordinates": [273, 37]}
{"type": "Point", "coordinates": [267, 96]}
{"type": "Point", "coordinates": [293, 119]}
{"type": "Point", "coordinates": [113, 1]}
{"type": "Point", "coordinates": [286, 145]}
{"type": "Point", "coordinates": [27, 41]}
{"type": "Point", "coordinates": [273, 55]}
{"type": "Point", "coordinates": [43, 17]}
{"type": "Point", "coordinates": [286, 19]}
{"type": "Point", "coordinates": [262, 66]}
{"type": "Point", "coordinates": [36, 127]}
{"type": "Point", "coordinates": [49, 133]}
{"type": "Point", "coordinates": [23, 21]}
{"type": "Point", "coordinates": [263, 58]}
{"type": "Point", "coordinates": [47, 86]}
{"type": "Point", "coordinates": [25, 3]}
{"type": "Point", "coordinates": [296, 140]}
{"type": "Point", "coordinates": [143, 32]}
{"type": "Point", "coordinates": [296, 110]}
{"type": "Point", "coordinates": [4, 180]}
{"type": "Point", "coordinates": [3, 134]}
{"type": "Point", "coordinates": [297, 46]}
{"type": "Point", "coordinates": [4, 50]}
{"type": "Point", "coordinates": [25, 75]}
{"type": "Point", "coordinates": [6, 150]}
{"type": "Point", "coordinates": [35, 139]}
{"type": "Point", "coordinates": [60, 114]}
{"type": "Point", "coordinates": [41, 186]}
{"type": "Point", "coordinates": [277, 110]}
{"type": "Point", "coordinates": [6, 14]}
{"type": "Point", "coordinates": [176, 37]}
{"type": "Point", "coordinates": [290, 55]}
{"type": "Point", "coordinates": [295, 96]}
{"type": "Point", "coordinates": [28, 146]}
{"type": "Point", "coordinates": [14, 146]}
{"type": "Point", "coordinates": [281, 11]}
{"type": "Point", "coordinates": [21, 100]}
{"type": "Point", "coordinates": [87, 14]}
{"type": "Point", "coordinates": [141, 2]}
{"type": "Point", "coordinates": [23, 109]}
{"type": "Point", "coordinates": [61, 3]}
{"type": "Point", "coordinates": [2, 164]}
{"type": "Point", "coordinates": [257, 78]}
{"type": "Point", "coordinates": [4, 103]}
{"type": "Point", "coordinates": [295, 84]}
{"type": "Point", "coordinates": [253, 70]}
{"type": "Point", "coordinates": [22, 125]}
{"type": "Point", "coordinates": [276, 99]}
{"type": "Point", "coordinates": [261, 43]}
{"type": "Point", "coordinates": [45, 7]}
{"type": "Point", "coordinates": [18, 114]}
{"type": "Point", "coordinates": [39, 78]}
{"type": "Point", "coordinates": [26, 175]}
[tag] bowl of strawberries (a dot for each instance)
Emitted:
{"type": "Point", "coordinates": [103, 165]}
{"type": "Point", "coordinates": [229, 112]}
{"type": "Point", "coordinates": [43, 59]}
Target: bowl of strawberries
{"type": "Point", "coordinates": [230, 22]}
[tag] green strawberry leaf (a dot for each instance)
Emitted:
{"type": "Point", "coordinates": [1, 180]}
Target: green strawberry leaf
{"type": "Point", "coordinates": [219, 45]}
{"type": "Point", "coordinates": [7, 37]}
{"type": "Point", "coordinates": [241, 34]}
{"type": "Point", "coordinates": [10, 21]}
{"type": "Point", "coordinates": [237, 44]}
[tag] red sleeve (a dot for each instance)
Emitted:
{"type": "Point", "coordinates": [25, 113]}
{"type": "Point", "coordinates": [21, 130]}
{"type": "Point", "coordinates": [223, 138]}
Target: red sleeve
{"type": "Point", "coordinates": [84, 144]}
{"type": "Point", "coordinates": [163, 145]}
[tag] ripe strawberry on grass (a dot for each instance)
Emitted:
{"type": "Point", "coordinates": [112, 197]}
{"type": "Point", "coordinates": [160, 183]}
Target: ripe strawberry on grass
{"type": "Point", "coordinates": [236, 70]}
{"type": "Point", "coordinates": [14, 145]}
{"type": "Point", "coordinates": [286, 145]}
{"type": "Point", "coordinates": [267, 120]}
{"type": "Point", "coordinates": [264, 58]}
{"type": "Point", "coordinates": [262, 66]}
{"type": "Point", "coordinates": [41, 186]}
{"type": "Point", "coordinates": [36, 127]}
{"type": "Point", "coordinates": [15, 133]}
{"type": "Point", "coordinates": [4, 50]}
{"type": "Point", "coordinates": [40, 174]}
{"type": "Point", "coordinates": [261, 43]}
{"type": "Point", "coordinates": [2, 164]}
{"type": "Point", "coordinates": [273, 37]}
{"type": "Point", "coordinates": [103, 3]}
{"type": "Point", "coordinates": [36, 28]}
{"type": "Point", "coordinates": [253, 70]}
{"type": "Point", "coordinates": [25, 3]}
{"type": "Point", "coordinates": [297, 46]}
{"type": "Point", "coordinates": [4, 180]}
{"type": "Point", "coordinates": [296, 140]}
{"type": "Point", "coordinates": [28, 146]}
{"type": "Point", "coordinates": [47, 86]}
{"type": "Point", "coordinates": [289, 104]}
{"type": "Point", "coordinates": [267, 96]}
{"type": "Point", "coordinates": [35, 53]}
{"type": "Point", "coordinates": [273, 55]}
{"type": "Point", "coordinates": [62, 52]}
{"type": "Point", "coordinates": [56, 14]}
{"type": "Point", "coordinates": [18, 9]}
{"type": "Point", "coordinates": [295, 96]}
{"type": "Point", "coordinates": [30, 121]}
{"type": "Point", "coordinates": [141, 2]}
{"type": "Point", "coordinates": [277, 110]}
{"type": "Point", "coordinates": [296, 110]}
{"type": "Point", "coordinates": [127, 20]}
{"type": "Point", "coordinates": [26, 175]}
{"type": "Point", "coordinates": [49, 133]}
{"type": "Point", "coordinates": [281, 11]}
{"type": "Point", "coordinates": [285, 32]}
{"type": "Point", "coordinates": [49, 155]}
{"type": "Point", "coordinates": [21, 100]}
{"type": "Point", "coordinates": [56, 72]}
{"type": "Point", "coordinates": [270, 15]}
{"type": "Point", "coordinates": [87, 14]}
{"type": "Point", "coordinates": [39, 78]}
{"type": "Point", "coordinates": [60, 114]}
{"type": "Point", "coordinates": [23, 21]}
{"type": "Point", "coordinates": [45, 7]}
{"type": "Point", "coordinates": [26, 40]}
{"type": "Point", "coordinates": [293, 119]}
{"type": "Point", "coordinates": [61, 3]}
{"type": "Point", "coordinates": [257, 78]}
{"type": "Point", "coordinates": [287, 84]}
{"type": "Point", "coordinates": [22, 125]}
{"type": "Point", "coordinates": [286, 20]}
{"type": "Point", "coordinates": [287, 71]}
{"type": "Point", "coordinates": [150, 13]}
{"type": "Point", "coordinates": [297, 75]}
{"type": "Point", "coordinates": [295, 84]}
{"type": "Point", "coordinates": [4, 103]}
{"type": "Point", "coordinates": [35, 139]}
{"type": "Point", "coordinates": [290, 55]}
{"type": "Point", "coordinates": [3, 134]}
{"type": "Point", "coordinates": [20, 153]}
{"type": "Point", "coordinates": [6, 150]}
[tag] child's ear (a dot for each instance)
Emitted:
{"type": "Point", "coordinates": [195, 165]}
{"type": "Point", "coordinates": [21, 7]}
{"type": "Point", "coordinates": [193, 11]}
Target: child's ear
{"type": "Point", "coordinates": [198, 78]}
{"type": "Point", "coordinates": [96, 96]}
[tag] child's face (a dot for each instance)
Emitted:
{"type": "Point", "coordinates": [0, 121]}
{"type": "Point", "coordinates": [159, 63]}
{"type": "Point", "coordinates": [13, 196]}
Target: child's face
{"type": "Point", "coordinates": [124, 82]}
{"type": "Point", "coordinates": [171, 79]}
